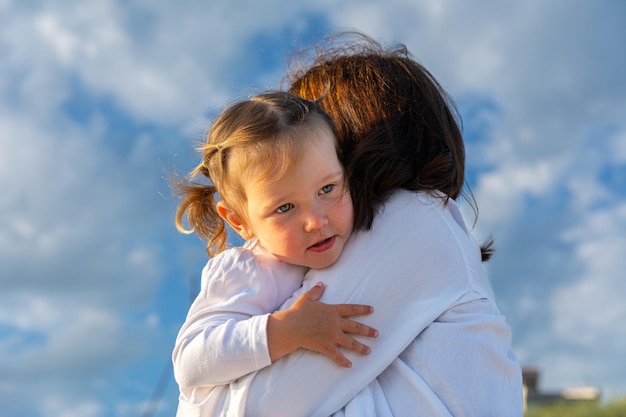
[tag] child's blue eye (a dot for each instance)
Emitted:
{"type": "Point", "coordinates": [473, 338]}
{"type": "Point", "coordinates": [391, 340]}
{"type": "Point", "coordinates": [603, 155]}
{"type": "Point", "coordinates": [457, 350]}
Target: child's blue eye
{"type": "Point", "coordinates": [327, 189]}
{"type": "Point", "coordinates": [284, 208]}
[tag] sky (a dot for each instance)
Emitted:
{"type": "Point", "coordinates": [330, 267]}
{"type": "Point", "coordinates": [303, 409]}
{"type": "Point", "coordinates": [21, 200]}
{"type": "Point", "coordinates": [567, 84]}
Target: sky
{"type": "Point", "coordinates": [101, 102]}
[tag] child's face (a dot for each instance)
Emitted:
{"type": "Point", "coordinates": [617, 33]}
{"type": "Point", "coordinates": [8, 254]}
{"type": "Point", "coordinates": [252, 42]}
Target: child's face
{"type": "Point", "coordinates": [305, 217]}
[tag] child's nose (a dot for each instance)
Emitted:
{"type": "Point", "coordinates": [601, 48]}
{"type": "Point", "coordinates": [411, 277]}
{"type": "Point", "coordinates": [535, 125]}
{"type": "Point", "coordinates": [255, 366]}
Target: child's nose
{"type": "Point", "coordinates": [315, 220]}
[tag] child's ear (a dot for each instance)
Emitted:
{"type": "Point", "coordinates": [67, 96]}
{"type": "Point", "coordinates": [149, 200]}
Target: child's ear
{"type": "Point", "coordinates": [234, 220]}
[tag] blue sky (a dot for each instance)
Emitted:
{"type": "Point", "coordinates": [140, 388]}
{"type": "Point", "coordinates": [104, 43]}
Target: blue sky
{"type": "Point", "coordinates": [100, 101]}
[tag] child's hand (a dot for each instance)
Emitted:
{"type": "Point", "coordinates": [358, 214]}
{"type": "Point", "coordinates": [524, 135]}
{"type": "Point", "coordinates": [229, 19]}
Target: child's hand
{"type": "Point", "coordinates": [320, 327]}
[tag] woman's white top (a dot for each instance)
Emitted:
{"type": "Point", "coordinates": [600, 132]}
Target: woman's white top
{"type": "Point", "coordinates": [443, 349]}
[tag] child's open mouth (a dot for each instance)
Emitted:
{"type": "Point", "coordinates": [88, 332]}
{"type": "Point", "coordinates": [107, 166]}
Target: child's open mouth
{"type": "Point", "coordinates": [324, 245]}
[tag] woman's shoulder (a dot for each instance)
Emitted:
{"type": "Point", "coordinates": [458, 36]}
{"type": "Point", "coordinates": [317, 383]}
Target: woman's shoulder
{"type": "Point", "coordinates": [421, 211]}
{"type": "Point", "coordinates": [427, 223]}
{"type": "Point", "coordinates": [411, 210]}
{"type": "Point", "coordinates": [419, 229]}
{"type": "Point", "coordinates": [413, 200]}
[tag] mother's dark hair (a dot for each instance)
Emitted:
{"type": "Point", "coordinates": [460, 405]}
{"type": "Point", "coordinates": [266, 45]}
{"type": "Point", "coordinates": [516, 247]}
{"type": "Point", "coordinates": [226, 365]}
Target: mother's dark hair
{"type": "Point", "coordinates": [398, 127]}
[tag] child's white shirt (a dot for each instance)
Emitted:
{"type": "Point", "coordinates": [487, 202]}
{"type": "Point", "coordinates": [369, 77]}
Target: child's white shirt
{"type": "Point", "coordinates": [225, 333]}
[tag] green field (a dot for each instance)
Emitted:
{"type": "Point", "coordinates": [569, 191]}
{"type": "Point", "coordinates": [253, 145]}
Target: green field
{"type": "Point", "coordinates": [579, 409]}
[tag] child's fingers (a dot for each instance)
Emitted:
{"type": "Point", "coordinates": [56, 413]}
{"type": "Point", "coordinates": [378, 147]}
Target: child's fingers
{"type": "Point", "coordinates": [315, 292]}
{"type": "Point", "coordinates": [354, 345]}
{"type": "Point", "coordinates": [354, 327]}
{"type": "Point", "coordinates": [347, 310]}
{"type": "Point", "coordinates": [335, 354]}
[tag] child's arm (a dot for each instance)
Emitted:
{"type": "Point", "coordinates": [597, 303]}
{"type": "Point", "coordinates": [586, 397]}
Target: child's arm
{"type": "Point", "coordinates": [320, 327]}
{"type": "Point", "coordinates": [224, 334]}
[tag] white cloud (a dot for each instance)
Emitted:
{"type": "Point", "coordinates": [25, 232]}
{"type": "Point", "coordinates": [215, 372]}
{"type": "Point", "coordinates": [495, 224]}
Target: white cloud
{"type": "Point", "coordinates": [64, 43]}
{"type": "Point", "coordinates": [60, 408]}
{"type": "Point", "coordinates": [591, 309]}
{"type": "Point", "coordinates": [588, 315]}
{"type": "Point", "coordinates": [507, 187]}
{"type": "Point", "coordinates": [75, 256]}
{"type": "Point", "coordinates": [63, 197]}
{"type": "Point", "coordinates": [160, 62]}
{"type": "Point", "coordinates": [70, 339]}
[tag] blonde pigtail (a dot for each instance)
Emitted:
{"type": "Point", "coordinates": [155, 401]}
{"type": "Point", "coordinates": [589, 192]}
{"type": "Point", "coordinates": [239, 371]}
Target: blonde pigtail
{"type": "Point", "coordinates": [199, 208]}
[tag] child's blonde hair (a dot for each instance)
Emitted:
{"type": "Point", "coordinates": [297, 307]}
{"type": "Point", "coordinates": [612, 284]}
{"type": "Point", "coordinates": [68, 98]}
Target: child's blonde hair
{"type": "Point", "coordinates": [253, 139]}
